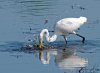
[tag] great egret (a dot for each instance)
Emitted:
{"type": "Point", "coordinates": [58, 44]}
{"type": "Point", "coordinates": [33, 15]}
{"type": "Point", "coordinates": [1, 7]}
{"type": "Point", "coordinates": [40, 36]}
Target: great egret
{"type": "Point", "coordinates": [63, 27]}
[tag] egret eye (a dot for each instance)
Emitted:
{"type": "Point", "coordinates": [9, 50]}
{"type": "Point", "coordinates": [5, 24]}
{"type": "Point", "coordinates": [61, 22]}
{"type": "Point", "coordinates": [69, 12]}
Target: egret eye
{"type": "Point", "coordinates": [45, 33]}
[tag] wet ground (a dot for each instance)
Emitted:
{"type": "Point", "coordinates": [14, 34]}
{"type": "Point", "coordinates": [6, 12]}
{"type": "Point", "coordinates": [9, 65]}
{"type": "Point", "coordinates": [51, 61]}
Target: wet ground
{"type": "Point", "coordinates": [20, 24]}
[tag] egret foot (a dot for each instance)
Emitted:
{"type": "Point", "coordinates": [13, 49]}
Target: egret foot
{"type": "Point", "coordinates": [64, 49]}
{"type": "Point", "coordinates": [83, 40]}
{"type": "Point", "coordinates": [40, 47]}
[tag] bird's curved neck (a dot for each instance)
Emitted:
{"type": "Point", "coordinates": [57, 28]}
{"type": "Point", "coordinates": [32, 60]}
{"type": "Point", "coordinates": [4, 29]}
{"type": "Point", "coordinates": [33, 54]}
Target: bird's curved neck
{"type": "Point", "coordinates": [42, 58]}
{"type": "Point", "coordinates": [45, 33]}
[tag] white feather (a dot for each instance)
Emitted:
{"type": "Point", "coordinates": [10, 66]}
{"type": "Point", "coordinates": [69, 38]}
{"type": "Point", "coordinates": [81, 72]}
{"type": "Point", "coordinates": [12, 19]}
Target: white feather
{"type": "Point", "coordinates": [68, 25]}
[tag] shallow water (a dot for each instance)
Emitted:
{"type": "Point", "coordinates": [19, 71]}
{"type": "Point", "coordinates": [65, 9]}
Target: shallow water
{"type": "Point", "coordinates": [20, 24]}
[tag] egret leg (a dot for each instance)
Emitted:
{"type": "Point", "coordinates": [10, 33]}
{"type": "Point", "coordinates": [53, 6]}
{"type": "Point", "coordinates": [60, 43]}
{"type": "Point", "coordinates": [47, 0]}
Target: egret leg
{"type": "Point", "coordinates": [81, 37]}
{"type": "Point", "coordinates": [65, 39]}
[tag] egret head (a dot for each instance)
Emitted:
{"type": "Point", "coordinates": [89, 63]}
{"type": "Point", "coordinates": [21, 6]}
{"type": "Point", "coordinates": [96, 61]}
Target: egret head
{"type": "Point", "coordinates": [83, 19]}
{"type": "Point", "coordinates": [45, 33]}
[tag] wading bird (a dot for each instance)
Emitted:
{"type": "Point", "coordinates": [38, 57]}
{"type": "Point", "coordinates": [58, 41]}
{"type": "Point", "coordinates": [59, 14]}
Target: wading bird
{"type": "Point", "coordinates": [63, 27]}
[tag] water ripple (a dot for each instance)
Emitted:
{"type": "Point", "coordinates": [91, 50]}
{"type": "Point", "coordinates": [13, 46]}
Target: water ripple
{"type": "Point", "coordinates": [90, 46]}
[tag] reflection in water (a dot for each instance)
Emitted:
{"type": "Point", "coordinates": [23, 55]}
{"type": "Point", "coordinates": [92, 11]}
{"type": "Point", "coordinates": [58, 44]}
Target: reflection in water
{"type": "Point", "coordinates": [41, 57]}
{"type": "Point", "coordinates": [71, 62]}
{"type": "Point", "coordinates": [44, 56]}
{"type": "Point", "coordinates": [65, 59]}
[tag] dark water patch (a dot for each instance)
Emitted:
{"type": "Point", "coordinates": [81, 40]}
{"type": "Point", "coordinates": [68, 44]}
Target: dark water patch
{"type": "Point", "coordinates": [76, 6]}
{"type": "Point", "coordinates": [10, 46]}
{"type": "Point", "coordinates": [28, 47]}
{"type": "Point", "coordinates": [12, 43]}
{"type": "Point", "coordinates": [90, 46]}
{"type": "Point", "coordinates": [86, 43]}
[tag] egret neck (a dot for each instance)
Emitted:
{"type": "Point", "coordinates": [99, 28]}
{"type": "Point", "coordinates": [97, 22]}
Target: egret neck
{"type": "Point", "coordinates": [45, 33]}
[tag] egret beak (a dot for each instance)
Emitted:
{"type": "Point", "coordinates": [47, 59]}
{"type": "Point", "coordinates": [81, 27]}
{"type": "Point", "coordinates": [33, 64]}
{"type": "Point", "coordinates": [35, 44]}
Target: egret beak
{"type": "Point", "coordinates": [40, 46]}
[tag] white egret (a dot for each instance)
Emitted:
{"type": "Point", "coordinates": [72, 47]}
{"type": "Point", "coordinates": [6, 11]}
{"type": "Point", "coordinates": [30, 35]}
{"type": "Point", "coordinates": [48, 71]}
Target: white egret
{"type": "Point", "coordinates": [63, 27]}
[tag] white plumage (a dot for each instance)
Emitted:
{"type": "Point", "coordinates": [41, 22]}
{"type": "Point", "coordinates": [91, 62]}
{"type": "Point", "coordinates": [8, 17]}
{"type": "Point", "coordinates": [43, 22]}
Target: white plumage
{"type": "Point", "coordinates": [63, 27]}
{"type": "Point", "coordinates": [68, 25]}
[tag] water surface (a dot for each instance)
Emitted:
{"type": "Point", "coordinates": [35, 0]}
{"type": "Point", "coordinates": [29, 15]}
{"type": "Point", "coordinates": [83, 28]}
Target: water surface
{"type": "Point", "coordinates": [22, 20]}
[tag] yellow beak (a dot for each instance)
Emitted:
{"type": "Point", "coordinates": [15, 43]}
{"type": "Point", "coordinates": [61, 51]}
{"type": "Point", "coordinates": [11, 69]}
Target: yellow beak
{"type": "Point", "coordinates": [40, 46]}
